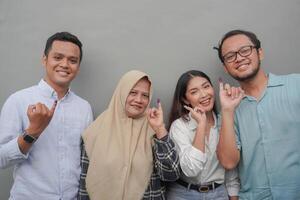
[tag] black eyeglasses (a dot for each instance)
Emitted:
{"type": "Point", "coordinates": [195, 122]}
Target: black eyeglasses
{"type": "Point", "coordinates": [243, 51]}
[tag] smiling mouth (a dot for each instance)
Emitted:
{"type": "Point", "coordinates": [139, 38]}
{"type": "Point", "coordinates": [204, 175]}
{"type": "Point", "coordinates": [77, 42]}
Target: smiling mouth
{"type": "Point", "coordinates": [242, 66]}
{"type": "Point", "coordinates": [205, 102]}
{"type": "Point", "coordinates": [136, 107]}
{"type": "Point", "coordinates": [63, 73]}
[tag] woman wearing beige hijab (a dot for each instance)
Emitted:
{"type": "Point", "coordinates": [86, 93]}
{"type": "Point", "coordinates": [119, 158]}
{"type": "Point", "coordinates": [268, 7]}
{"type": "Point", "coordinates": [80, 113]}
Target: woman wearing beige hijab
{"type": "Point", "coordinates": [127, 153]}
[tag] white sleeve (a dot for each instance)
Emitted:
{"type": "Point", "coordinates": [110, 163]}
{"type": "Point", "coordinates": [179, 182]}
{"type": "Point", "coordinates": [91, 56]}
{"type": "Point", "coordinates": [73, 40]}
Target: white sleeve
{"type": "Point", "coordinates": [192, 160]}
{"type": "Point", "coordinates": [10, 130]}
{"type": "Point", "coordinates": [232, 182]}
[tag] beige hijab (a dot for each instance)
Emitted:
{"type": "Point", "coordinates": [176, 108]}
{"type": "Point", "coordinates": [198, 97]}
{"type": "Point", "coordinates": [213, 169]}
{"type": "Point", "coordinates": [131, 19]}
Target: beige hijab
{"type": "Point", "coordinates": [119, 149]}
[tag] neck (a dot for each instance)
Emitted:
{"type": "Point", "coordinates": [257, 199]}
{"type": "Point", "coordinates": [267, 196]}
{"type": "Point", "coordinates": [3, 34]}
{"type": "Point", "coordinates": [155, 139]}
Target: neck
{"type": "Point", "coordinates": [210, 118]}
{"type": "Point", "coordinates": [255, 86]}
{"type": "Point", "coordinates": [60, 90]}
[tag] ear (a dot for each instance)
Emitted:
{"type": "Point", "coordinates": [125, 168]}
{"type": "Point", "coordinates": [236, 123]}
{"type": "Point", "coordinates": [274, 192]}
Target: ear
{"type": "Point", "coordinates": [261, 54]}
{"type": "Point", "coordinates": [44, 60]}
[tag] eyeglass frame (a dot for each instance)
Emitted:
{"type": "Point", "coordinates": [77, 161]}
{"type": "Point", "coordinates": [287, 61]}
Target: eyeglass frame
{"type": "Point", "coordinates": [238, 52]}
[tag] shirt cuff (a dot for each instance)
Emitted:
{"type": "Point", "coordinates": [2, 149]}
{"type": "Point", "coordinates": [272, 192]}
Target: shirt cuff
{"type": "Point", "coordinates": [198, 155]}
{"type": "Point", "coordinates": [233, 191]}
{"type": "Point", "coordinates": [13, 150]}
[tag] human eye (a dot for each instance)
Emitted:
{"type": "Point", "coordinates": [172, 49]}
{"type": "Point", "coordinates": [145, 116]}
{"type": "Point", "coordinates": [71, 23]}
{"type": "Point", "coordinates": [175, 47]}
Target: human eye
{"type": "Point", "coordinates": [245, 50]}
{"type": "Point", "coordinates": [230, 56]}
{"type": "Point", "coordinates": [146, 95]}
{"type": "Point", "coordinates": [74, 61]}
{"type": "Point", "coordinates": [132, 92]}
{"type": "Point", "coordinates": [57, 57]}
{"type": "Point", "coordinates": [206, 86]}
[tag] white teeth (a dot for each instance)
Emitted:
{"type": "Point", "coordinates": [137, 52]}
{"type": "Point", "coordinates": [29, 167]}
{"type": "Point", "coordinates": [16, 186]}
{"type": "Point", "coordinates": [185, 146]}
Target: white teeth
{"type": "Point", "coordinates": [63, 73]}
{"type": "Point", "coordinates": [205, 102]}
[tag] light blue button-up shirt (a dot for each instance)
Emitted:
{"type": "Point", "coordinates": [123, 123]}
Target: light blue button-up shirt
{"type": "Point", "coordinates": [268, 135]}
{"type": "Point", "coordinates": [51, 168]}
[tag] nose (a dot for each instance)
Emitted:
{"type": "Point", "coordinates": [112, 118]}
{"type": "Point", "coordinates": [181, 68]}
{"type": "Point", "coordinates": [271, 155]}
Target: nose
{"type": "Point", "coordinates": [138, 98]}
{"type": "Point", "coordinates": [202, 93]}
{"type": "Point", "coordinates": [64, 63]}
{"type": "Point", "coordinates": [239, 57]}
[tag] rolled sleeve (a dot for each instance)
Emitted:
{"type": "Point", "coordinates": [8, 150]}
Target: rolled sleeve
{"type": "Point", "coordinates": [10, 154]}
{"type": "Point", "coordinates": [192, 160]}
{"type": "Point", "coordinates": [232, 182]}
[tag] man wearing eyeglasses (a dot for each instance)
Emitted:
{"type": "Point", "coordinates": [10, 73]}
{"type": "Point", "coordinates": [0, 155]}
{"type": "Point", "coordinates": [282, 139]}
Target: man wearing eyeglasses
{"type": "Point", "coordinates": [260, 131]}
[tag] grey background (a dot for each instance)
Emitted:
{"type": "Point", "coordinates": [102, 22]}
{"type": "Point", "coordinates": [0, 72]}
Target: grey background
{"type": "Point", "coordinates": [161, 37]}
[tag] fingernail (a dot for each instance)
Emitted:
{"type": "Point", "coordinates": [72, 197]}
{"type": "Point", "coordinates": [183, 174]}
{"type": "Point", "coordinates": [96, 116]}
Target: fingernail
{"type": "Point", "coordinates": [220, 80]}
{"type": "Point", "coordinates": [158, 101]}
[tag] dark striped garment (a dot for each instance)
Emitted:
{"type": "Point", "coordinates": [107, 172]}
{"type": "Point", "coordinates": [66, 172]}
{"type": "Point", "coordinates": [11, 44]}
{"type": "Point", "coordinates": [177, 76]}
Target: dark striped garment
{"type": "Point", "coordinates": [166, 168]}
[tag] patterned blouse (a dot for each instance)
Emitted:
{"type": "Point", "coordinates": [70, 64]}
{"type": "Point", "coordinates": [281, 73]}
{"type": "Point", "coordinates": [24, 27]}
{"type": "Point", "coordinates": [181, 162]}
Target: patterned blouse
{"type": "Point", "coordinates": [165, 169]}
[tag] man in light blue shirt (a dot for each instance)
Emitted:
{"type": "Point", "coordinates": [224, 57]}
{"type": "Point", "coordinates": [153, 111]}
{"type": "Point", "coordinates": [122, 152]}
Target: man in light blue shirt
{"type": "Point", "coordinates": [260, 129]}
{"type": "Point", "coordinates": [40, 127]}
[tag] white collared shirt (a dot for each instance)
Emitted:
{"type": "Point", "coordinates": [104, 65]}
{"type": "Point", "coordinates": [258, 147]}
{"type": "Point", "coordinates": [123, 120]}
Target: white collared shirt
{"type": "Point", "coordinates": [201, 167]}
{"type": "Point", "coordinates": [51, 168]}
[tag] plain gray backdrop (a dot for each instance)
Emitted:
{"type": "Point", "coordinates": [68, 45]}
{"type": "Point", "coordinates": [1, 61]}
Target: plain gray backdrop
{"type": "Point", "coordinates": [163, 38]}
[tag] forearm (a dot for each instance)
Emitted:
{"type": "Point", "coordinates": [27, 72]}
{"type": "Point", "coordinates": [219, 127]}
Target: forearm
{"type": "Point", "coordinates": [227, 151]}
{"type": "Point", "coordinates": [199, 139]}
{"type": "Point", "coordinates": [166, 159]}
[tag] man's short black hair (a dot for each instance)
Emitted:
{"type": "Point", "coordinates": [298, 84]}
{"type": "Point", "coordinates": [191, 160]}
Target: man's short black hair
{"type": "Point", "coordinates": [63, 36]}
{"type": "Point", "coordinates": [252, 37]}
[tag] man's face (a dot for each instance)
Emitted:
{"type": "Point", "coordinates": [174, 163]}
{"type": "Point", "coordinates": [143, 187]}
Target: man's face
{"type": "Point", "coordinates": [62, 64]}
{"type": "Point", "coordinates": [243, 67]}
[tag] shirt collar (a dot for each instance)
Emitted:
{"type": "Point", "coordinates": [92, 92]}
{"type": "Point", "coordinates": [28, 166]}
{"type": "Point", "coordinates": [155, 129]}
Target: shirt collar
{"type": "Point", "coordinates": [192, 123]}
{"type": "Point", "coordinates": [48, 91]}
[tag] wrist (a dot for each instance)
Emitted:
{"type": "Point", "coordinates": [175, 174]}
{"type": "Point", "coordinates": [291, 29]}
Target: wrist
{"type": "Point", "coordinates": [227, 110]}
{"type": "Point", "coordinates": [32, 132]}
{"type": "Point", "coordinates": [160, 131]}
{"type": "Point", "coordinates": [28, 138]}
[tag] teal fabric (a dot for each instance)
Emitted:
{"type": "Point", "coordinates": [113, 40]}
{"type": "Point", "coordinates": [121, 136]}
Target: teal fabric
{"type": "Point", "coordinates": [268, 135]}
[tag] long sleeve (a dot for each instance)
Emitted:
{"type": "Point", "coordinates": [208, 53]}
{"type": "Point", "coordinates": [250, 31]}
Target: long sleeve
{"type": "Point", "coordinates": [10, 129]}
{"type": "Point", "coordinates": [166, 159]}
{"type": "Point", "coordinates": [84, 163]}
{"type": "Point", "coordinates": [232, 182]}
{"type": "Point", "coordinates": [192, 160]}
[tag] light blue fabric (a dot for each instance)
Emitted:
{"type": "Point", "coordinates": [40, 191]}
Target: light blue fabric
{"type": "Point", "coordinates": [176, 191]}
{"type": "Point", "coordinates": [51, 168]}
{"type": "Point", "coordinates": [268, 135]}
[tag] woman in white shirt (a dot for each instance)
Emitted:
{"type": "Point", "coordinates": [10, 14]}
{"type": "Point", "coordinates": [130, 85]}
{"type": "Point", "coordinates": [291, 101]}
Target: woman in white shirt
{"type": "Point", "coordinates": [194, 130]}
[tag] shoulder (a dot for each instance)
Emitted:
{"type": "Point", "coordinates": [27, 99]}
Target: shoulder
{"type": "Point", "coordinates": [178, 123]}
{"type": "Point", "coordinates": [21, 95]}
{"type": "Point", "coordinates": [286, 79]}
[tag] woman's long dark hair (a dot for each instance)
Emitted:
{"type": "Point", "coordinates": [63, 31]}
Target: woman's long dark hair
{"type": "Point", "coordinates": [177, 109]}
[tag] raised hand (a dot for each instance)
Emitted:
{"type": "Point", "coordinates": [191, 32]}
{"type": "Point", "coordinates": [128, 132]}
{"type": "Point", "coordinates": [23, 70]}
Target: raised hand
{"type": "Point", "coordinates": [39, 116]}
{"type": "Point", "coordinates": [230, 97]}
{"type": "Point", "coordinates": [198, 114]}
{"type": "Point", "coordinates": [155, 118]}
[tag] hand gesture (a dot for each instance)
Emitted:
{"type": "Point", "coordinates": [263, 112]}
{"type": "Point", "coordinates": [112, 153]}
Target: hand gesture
{"type": "Point", "coordinates": [230, 97]}
{"type": "Point", "coordinates": [198, 114]}
{"type": "Point", "coordinates": [155, 118]}
{"type": "Point", "coordinates": [39, 117]}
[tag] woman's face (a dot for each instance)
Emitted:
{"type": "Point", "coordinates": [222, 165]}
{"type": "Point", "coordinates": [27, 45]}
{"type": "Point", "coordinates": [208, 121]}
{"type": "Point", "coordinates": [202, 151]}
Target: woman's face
{"type": "Point", "coordinates": [200, 93]}
{"type": "Point", "coordinates": [138, 99]}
